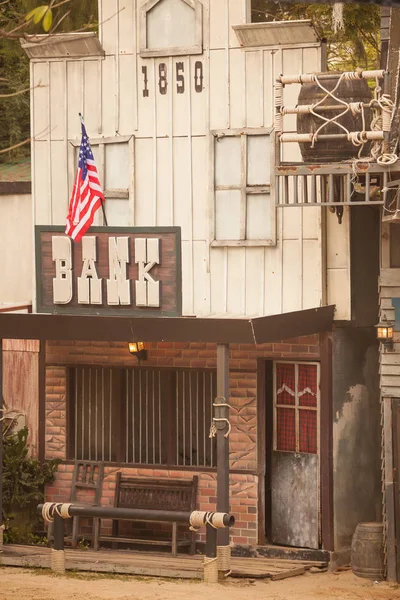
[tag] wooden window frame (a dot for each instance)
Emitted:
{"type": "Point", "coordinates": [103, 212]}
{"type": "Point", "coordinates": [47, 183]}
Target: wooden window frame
{"type": "Point", "coordinates": [109, 194]}
{"type": "Point", "coordinates": [177, 50]}
{"type": "Point", "coordinates": [296, 406]}
{"type": "Point", "coordinates": [244, 188]}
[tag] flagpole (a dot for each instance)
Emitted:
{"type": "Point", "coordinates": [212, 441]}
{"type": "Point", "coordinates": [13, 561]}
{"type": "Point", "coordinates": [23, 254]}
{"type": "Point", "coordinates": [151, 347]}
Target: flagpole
{"type": "Point", "coordinates": [102, 204]}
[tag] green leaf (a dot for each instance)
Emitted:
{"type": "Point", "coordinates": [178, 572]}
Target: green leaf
{"type": "Point", "coordinates": [48, 20]}
{"type": "Point", "coordinates": [30, 14]}
{"type": "Point", "coordinates": [40, 12]}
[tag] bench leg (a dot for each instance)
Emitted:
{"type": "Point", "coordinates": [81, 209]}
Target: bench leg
{"type": "Point", "coordinates": [174, 540]}
{"type": "Point", "coordinates": [75, 528]}
{"type": "Point", "coordinates": [96, 533]}
{"type": "Point", "coordinates": [193, 543]}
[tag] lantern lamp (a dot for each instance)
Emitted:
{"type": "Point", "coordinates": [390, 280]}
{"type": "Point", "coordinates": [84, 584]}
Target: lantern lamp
{"type": "Point", "coordinates": [137, 349]}
{"type": "Point", "coordinates": [384, 333]}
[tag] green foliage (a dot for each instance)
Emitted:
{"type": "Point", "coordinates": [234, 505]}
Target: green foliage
{"type": "Point", "coordinates": [356, 45]}
{"type": "Point", "coordinates": [14, 64]}
{"type": "Point", "coordinates": [24, 478]}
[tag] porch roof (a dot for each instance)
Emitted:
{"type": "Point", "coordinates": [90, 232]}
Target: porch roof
{"type": "Point", "coordinates": [259, 330]}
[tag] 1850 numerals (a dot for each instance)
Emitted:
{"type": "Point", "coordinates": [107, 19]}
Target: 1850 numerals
{"type": "Point", "coordinates": [180, 78]}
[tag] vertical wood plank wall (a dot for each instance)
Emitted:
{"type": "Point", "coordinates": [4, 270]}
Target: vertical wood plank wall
{"type": "Point", "coordinates": [173, 153]}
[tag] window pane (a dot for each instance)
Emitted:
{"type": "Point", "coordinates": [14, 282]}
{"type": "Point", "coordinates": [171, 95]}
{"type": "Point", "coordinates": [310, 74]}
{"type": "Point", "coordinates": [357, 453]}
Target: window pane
{"type": "Point", "coordinates": [285, 384]}
{"type": "Point", "coordinates": [227, 215]}
{"type": "Point", "coordinates": [118, 212]}
{"type": "Point", "coordinates": [308, 431]}
{"type": "Point", "coordinates": [307, 387]}
{"type": "Point", "coordinates": [118, 166]}
{"type": "Point", "coordinates": [258, 160]}
{"type": "Point", "coordinates": [227, 161]}
{"type": "Point", "coordinates": [285, 429]}
{"type": "Point", "coordinates": [258, 221]}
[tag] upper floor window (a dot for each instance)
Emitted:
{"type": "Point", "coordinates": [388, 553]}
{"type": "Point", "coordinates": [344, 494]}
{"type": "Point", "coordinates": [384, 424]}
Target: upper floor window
{"type": "Point", "coordinates": [244, 204]}
{"type": "Point", "coordinates": [171, 28]}
{"type": "Point", "coordinates": [114, 162]}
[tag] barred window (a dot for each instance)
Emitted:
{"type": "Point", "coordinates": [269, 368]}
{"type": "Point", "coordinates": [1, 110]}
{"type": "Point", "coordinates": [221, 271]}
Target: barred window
{"type": "Point", "coordinates": [141, 416]}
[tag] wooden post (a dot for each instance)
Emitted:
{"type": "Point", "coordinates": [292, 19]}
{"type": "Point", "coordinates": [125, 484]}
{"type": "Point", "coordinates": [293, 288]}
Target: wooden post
{"type": "Point", "coordinates": [221, 413]}
{"type": "Point", "coordinates": [58, 552]}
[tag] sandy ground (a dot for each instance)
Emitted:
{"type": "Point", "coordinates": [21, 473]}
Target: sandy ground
{"type": "Point", "coordinates": [34, 584]}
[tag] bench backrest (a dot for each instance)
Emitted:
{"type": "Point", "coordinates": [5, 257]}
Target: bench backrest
{"type": "Point", "coordinates": [156, 494]}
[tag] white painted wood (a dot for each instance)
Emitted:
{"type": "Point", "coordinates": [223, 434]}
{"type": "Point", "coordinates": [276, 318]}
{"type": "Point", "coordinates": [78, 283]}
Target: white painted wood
{"type": "Point", "coordinates": [75, 90]}
{"type": "Point", "coordinates": [236, 295]}
{"type": "Point", "coordinates": [200, 189]}
{"type": "Point", "coordinates": [254, 284]}
{"type": "Point", "coordinates": [182, 187]}
{"type": "Point", "coordinates": [110, 25]}
{"type": "Point", "coordinates": [338, 292]}
{"type": "Point", "coordinates": [218, 277]}
{"type": "Point", "coordinates": [146, 103]}
{"type": "Point", "coordinates": [144, 184]}
{"type": "Point", "coordinates": [219, 116]}
{"type": "Point", "coordinates": [41, 125]}
{"type": "Point", "coordinates": [312, 274]}
{"type": "Point", "coordinates": [164, 180]}
{"type": "Point", "coordinates": [128, 98]}
{"type": "Point", "coordinates": [238, 89]}
{"type": "Point", "coordinates": [237, 16]}
{"type": "Point", "coordinates": [199, 100]}
{"type": "Point", "coordinates": [91, 105]}
{"type": "Point", "coordinates": [41, 189]}
{"type": "Point", "coordinates": [59, 183]}
{"type": "Point", "coordinates": [201, 277]}
{"type": "Point", "coordinates": [57, 86]}
{"type": "Point", "coordinates": [389, 277]}
{"type": "Point", "coordinates": [109, 99]}
{"type": "Point", "coordinates": [268, 91]}
{"type": "Point", "coordinates": [219, 24]}
{"type": "Point", "coordinates": [126, 20]}
{"type": "Point", "coordinates": [292, 284]}
{"type": "Point", "coordinates": [254, 89]}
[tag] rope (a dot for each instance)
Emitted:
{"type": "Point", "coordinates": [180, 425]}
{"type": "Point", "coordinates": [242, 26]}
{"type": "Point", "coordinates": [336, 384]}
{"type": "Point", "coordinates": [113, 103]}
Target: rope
{"type": "Point", "coordinates": [2, 527]}
{"type": "Point", "coordinates": [58, 561]}
{"type": "Point", "coordinates": [50, 508]}
{"type": "Point", "coordinates": [224, 559]}
{"type": "Point", "coordinates": [210, 568]}
{"type": "Point", "coordinates": [214, 519]}
{"type": "Point", "coordinates": [196, 520]}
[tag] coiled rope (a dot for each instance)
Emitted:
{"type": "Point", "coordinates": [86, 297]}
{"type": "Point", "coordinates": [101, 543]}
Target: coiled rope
{"type": "Point", "coordinates": [50, 508]}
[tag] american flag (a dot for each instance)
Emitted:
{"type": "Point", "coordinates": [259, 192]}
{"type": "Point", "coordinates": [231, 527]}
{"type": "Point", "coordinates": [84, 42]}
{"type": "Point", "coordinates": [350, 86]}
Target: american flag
{"type": "Point", "coordinates": [87, 195]}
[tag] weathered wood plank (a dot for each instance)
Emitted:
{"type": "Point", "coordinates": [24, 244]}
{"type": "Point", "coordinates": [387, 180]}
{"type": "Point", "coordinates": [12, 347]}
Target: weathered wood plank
{"type": "Point", "coordinates": [289, 573]}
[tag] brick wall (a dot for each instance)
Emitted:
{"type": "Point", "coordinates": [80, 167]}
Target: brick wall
{"type": "Point", "coordinates": [243, 437]}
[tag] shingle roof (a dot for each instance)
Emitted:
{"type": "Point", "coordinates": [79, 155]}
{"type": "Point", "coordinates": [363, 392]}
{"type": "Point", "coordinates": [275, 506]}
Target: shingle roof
{"type": "Point", "coordinates": [18, 171]}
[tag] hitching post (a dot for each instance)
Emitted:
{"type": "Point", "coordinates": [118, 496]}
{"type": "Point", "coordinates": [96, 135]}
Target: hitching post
{"type": "Point", "coordinates": [1, 446]}
{"type": "Point", "coordinates": [58, 553]}
{"type": "Point", "coordinates": [221, 414]}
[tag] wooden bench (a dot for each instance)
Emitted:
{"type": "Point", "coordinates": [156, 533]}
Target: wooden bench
{"type": "Point", "coordinates": [155, 494]}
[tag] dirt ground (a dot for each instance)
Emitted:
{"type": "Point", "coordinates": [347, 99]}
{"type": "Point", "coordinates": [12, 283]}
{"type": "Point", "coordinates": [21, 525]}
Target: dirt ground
{"type": "Point", "coordinates": [35, 584]}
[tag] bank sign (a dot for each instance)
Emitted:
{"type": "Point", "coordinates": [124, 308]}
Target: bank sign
{"type": "Point", "coordinates": [126, 271]}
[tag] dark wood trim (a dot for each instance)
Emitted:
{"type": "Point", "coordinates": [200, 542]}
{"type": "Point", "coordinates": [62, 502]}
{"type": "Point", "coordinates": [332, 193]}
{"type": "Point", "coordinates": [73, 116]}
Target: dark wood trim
{"type": "Point", "coordinates": [396, 477]}
{"type": "Point", "coordinates": [42, 401]}
{"type": "Point", "coordinates": [171, 467]}
{"type": "Point", "coordinates": [326, 444]}
{"type": "Point", "coordinates": [8, 309]}
{"type": "Point", "coordinates": [11, 188]}
{"type": "Point", "coordinates": [182, 329]}
{"type": "Point", "coordinates": [261, 447]}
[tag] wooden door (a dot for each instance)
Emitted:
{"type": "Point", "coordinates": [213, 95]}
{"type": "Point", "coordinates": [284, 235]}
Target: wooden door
{"type": "Point", "coordinates": [294, 468]}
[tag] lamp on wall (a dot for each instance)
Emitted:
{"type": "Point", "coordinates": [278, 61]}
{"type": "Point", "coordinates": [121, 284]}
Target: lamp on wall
{"type": "Point", "coordinates": [384, 333]}
{"type": "Point", "coordinates": [137, 349]}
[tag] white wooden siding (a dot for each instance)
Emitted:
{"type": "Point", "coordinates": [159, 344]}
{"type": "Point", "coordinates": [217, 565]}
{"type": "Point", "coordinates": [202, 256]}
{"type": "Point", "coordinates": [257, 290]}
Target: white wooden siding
{"type": "Point", "coordinates": [172, 152]}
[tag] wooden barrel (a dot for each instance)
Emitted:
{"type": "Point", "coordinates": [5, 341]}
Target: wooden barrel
{"type": "Point", "coordinates": [353, 90]}
{"type": "Point", "coordinates": [367, 551]}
